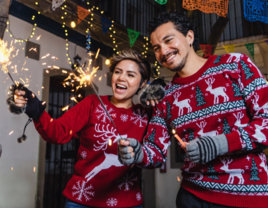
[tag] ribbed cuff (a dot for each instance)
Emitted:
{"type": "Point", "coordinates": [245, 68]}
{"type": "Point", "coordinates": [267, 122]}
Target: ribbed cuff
{"type": "Point", "coordinates": [234, 142]}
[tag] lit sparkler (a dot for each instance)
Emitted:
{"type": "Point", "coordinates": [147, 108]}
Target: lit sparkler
{"type": "Point", "coordinates": [5, 56]}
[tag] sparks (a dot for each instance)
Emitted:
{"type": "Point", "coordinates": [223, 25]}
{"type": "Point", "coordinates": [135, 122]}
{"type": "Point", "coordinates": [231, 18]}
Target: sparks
{"type": "Point", "coordinates": [56, 67]}
{"type": "Point", "coordinates": [65, 108]}
{"type": "Point", "coordinates": [100, 78]}
{"type": "Point", "coordinates": [73, 98]}
{"type": "Point", "coordinates": [38, 38]}
{"type": "Point", "coordinates": [97, 54]}
{"type": "Point", "coordinates": [5, 55]}
{"type": "Point", "coordinates": [33, 49]}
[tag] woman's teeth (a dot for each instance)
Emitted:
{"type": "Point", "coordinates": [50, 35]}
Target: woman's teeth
{"type": "Point", "coordinates": [121, 86]}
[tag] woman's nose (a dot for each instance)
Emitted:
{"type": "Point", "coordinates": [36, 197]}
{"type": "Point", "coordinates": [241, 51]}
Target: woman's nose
{"type": "Point", "coordinates": [122, 77]}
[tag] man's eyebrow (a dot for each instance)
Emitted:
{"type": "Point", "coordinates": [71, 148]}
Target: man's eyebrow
{"type": "Point", "coordinates": [167, 36]}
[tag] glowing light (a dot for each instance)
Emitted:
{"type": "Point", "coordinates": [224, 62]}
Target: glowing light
{"type": "Point", "coordinates": [22, 80]}
{"type": "Point", "coordinates": [178, 178]}
{"type": "Point", "coordinates": [56, 67]}
{"type": "Point", "coordinates": [107, 61]}
{"type": "Point", "coordinates": [100, 78]}
{"type": "Point", "coordinates": [97, 54]}
{"type": "Point", "coordinates": [11, 168]}
{"type": "Point", "coordinates": [44, 63]}
{"type": "Point", "coordinates": [43, 103]}
{"type": "Point", "coordinates": [110, 142]}
{"type": "Point", "coordinates": [73, 24]}
{"type": "Point", "coordinates": [63, 71]}
{"type": "Point", "coordinates": [38, 38]}
{"type": "Point", "coordinates": [5, 54]}
{"type": "Point", "coordinates": [73, 98]}
{"type": "Point", "coordinates": [11, 132]}
{"type": "Point", "coordinates": [33, 169]}
{"type": "Point", "coordinates": [65, 108]}
{"type": "Point", "coordinates": [33, 49]}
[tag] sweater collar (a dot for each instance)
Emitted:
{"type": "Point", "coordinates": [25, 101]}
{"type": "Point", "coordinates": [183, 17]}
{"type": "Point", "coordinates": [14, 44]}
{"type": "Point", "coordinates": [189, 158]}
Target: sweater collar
{"type": "Point", "coordinates": [106, 101]}
{"type": "Point", "coordinates": [185, 80]}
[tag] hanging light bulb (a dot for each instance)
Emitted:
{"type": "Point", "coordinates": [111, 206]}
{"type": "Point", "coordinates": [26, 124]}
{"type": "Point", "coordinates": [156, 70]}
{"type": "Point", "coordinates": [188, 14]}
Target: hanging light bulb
{"type": "Point", "coordinates": [73, 24]}
{"type": "Point", "coordinates": [107, 61]}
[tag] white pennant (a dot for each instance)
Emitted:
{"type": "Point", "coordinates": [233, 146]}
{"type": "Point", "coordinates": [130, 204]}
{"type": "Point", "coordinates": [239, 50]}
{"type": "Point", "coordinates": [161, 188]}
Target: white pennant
{"type": "Point", "coordinates": [56, 4]}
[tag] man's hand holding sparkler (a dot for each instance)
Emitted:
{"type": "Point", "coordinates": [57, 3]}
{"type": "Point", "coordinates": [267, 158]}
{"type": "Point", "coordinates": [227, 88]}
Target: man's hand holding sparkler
{"type": "Point", "coordinates": [206, 148]}
{"type": "Point", "coordinates": [20, 99]}
{"type": "Point", "coordinates": [129, 151]}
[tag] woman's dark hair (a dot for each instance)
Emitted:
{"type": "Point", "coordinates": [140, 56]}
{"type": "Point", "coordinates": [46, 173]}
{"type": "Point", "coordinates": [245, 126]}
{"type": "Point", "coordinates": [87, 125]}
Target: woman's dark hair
{"type": "Point", "coordinates": [130, 54]}
{"type": "Point", "coordinates": [181, 23]}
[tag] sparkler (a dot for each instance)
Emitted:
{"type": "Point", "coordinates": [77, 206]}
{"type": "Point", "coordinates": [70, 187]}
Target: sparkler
{"type": "Point", "coordinates": [88, 77]}
{"type": "Point", "coordinates": [5, 56]}
{"type": "Point", "coordinates": [173, 130]}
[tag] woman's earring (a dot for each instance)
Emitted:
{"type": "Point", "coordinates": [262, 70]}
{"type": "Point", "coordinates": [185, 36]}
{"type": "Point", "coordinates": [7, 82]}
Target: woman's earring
{"type": "Point", "coordinates": [190, 45]}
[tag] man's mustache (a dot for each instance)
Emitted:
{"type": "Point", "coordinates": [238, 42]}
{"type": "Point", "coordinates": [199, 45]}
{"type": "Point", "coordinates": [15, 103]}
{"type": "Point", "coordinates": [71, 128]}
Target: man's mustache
{"type": "Point", "coordinates": [163, 59]}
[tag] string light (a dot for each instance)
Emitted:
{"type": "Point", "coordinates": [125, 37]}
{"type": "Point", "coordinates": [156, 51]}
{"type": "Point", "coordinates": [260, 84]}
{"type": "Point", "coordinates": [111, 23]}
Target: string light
{"type": "Point", "coordinates": [66, 34]}
{"type": "Point", "coordinates": [33, 27]}
{"type": "Point", "coordinates": [144, 53]}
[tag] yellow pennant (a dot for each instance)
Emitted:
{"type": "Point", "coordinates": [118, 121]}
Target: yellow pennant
{"type": "Point", "coordinates": [229, 48]}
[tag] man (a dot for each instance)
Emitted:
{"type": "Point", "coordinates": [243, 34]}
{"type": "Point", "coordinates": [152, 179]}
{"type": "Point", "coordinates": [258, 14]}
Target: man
{"type": "Point", "coordinates": [219, 107]}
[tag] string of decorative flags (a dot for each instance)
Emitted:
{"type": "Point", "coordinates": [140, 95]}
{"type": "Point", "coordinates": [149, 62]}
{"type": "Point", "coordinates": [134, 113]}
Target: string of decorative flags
{"type": "Point", "coordinates": [220, 7]}
{"type": "Point", "coordinates": [256, 10]}
{"type": "Point", "coordinates": [229, 48]}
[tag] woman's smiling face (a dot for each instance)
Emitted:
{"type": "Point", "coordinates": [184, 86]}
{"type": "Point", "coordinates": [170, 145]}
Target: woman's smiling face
{"type": "Point", "coordinates": [126, 80]}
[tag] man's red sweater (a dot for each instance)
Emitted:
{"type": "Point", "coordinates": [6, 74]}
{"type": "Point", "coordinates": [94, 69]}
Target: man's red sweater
{"type": "Point", "coordinates": [228, 95]}
{"type": "Point", "coordinates": [99, 179]}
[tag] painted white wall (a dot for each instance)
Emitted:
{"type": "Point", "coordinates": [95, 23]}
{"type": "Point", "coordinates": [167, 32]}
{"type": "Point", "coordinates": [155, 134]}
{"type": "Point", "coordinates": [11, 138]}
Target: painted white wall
{"type": "Point", "coordinates": [167, 185]}
{"type": "Point", "coordinates": [18, 186]}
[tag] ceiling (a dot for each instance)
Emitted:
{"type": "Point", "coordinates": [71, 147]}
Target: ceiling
{"type": "Point", "coordinates": [121, 36]}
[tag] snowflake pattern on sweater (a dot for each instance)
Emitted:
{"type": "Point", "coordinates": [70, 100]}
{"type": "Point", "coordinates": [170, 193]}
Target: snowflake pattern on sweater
{"type": "Point", "coordinates": [231, 98]}
{"type": "Point", "coordinates": [99, 179]}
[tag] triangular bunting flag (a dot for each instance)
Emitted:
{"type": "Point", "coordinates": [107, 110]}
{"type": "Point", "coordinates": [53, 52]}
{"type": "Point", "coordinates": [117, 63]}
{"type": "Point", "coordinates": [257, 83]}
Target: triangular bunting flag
{"type": "Point", "coordinates": [133, 35]}
{"type": "Point", "coordinates": [229, 48]}
{"type": "Point", "coordinates": [106, 24]}
{"type": "Point", "coordinates": [81, 13]}
{"type": "Point", "coordinates": [206, 49]}
{"type": "Point", "coordinates": [162, 2]}
{"type": "Point", "coordinates": [250, 47]}
{"type": "Point", "coordinates": [56, 4]}
{"type": "Point", "coordinates": [266, 41]}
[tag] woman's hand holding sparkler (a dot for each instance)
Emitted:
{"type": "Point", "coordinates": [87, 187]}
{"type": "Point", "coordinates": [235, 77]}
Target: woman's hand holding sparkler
{"type": "Point", "coordinates": [20, 99]}
{"type": "Point", "coordinates": [129, 151]}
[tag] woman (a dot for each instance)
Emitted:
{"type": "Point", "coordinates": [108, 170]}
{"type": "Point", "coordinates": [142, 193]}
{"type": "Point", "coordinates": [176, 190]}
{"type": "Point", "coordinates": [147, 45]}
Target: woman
{"type": "Point", "coordinates": [99, 179]}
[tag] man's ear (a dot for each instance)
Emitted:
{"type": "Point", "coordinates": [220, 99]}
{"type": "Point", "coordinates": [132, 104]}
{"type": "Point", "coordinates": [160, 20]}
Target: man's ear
{"type": "Point", "coordinates": [190, 36]}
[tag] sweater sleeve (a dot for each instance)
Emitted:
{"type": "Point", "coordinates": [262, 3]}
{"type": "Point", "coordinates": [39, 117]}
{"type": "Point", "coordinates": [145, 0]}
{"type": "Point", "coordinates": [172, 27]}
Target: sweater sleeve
{"type": "Point", "coordinates": [65, 128]}
{"type": "Point", "coordinates": [156, 141]}
{"type": "Point", "coordinates": [255, 92]}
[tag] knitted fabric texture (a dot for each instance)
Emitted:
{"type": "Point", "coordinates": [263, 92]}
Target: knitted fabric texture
{"type": "Point", "coordinates": [228, 95]}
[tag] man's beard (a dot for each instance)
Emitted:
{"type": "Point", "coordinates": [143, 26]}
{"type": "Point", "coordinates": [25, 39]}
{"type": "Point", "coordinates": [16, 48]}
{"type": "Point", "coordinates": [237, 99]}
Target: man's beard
{"type": "Point", "coordinates": [181, 65]}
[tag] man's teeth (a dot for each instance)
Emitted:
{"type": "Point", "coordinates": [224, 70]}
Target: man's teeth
{"type": "Point", "coordinates": [121, 86]}
{"type": "Point", "coordinates": [170, 57]}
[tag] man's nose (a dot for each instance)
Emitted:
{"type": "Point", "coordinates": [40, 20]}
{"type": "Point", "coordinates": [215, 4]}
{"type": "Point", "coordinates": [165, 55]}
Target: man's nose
{"type": "Point", "coordinates": [164, 50]}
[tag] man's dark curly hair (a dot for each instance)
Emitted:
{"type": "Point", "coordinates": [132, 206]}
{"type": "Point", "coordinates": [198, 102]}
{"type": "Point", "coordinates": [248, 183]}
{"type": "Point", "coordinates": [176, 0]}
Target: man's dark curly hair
{"type": "Point", "coordinates": [181, 22]}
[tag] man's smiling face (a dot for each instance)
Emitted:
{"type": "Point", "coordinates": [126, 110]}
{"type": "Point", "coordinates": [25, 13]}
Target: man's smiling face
{"type": "Point", "coordinates": [171, 47]}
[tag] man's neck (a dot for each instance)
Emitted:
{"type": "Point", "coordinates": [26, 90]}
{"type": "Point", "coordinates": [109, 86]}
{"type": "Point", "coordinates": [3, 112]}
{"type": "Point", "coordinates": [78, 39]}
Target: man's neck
{"type": "Point", "coordinates": [193, 64]}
